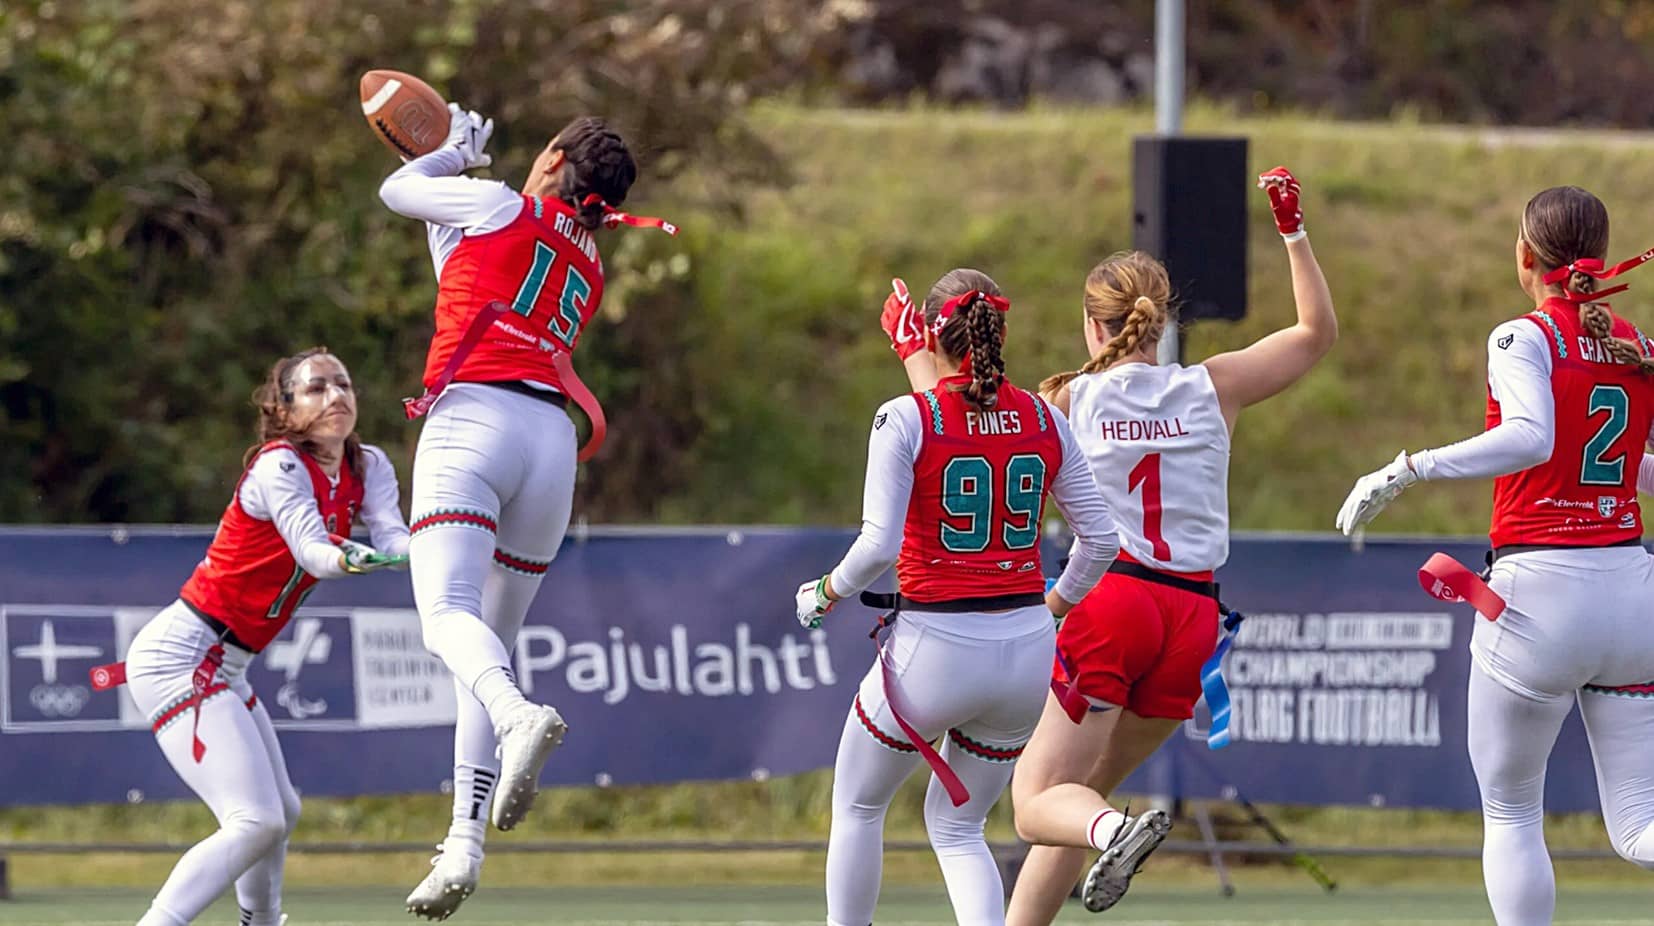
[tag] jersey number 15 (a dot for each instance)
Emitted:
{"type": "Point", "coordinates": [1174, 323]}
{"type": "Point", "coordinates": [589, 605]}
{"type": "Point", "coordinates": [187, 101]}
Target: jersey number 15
{"type": "Point", "coordinates": [576, 290]}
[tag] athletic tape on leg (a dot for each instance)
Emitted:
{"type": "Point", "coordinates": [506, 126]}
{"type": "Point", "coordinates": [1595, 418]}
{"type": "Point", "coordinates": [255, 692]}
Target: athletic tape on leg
{"type": "Point", "coordinates": [1446, 579]}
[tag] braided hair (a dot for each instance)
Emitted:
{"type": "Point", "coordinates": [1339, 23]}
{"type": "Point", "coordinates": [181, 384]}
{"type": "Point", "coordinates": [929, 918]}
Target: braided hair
{"type": "Point", "coordinates": [1130, 294]}
{"type": "Point", "coordinates": [976, 331]}
{"type": "Point", "coordinates": [596, 160]}
{"type": "Point", "coordinates": [274, 400]}
{"type": "Point", "coordinates": [1564, 224]}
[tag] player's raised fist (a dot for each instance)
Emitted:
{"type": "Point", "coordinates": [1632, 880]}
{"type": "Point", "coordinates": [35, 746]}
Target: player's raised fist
{"type": "Point", "coordinates": [1283, 191]}
{"type": "Point", "coordinates": [903, 321]}
{"type": "Point", "coordinates": [404, 112]}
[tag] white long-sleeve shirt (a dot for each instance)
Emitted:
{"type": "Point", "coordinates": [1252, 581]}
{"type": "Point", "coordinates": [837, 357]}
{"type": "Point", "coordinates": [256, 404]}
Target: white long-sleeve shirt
{"type": "Point", "coordinates": [893, 449]}
{"type": "Point", "coordinates": [431, 189]}
{"type": "Point", "coordinates": [1519, 379]}
{"type": "Point", "coordinates": [285, 495]}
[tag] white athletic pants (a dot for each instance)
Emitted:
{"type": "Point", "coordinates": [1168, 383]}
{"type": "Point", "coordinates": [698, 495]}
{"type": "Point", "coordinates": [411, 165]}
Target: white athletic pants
{"type": "Point", "coordinates": [242, 777]}
{"type": "Point", "coordinates": [492, 491]}
{"type": "Point", "coordinates": [976, 680]}
{"type": "Point", "coordinates": [1579, 626]}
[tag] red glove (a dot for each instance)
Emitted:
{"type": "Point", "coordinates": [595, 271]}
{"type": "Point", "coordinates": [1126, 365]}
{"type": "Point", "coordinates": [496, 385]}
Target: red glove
{"type": "Point", "coordinates": [903, 321]}
{"type": "Point", "coordinates": [1283, 192]}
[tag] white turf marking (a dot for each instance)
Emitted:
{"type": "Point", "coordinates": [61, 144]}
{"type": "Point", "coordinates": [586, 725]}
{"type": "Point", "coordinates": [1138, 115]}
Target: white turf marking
{"type": "Point", "coordinates": [382, 97]}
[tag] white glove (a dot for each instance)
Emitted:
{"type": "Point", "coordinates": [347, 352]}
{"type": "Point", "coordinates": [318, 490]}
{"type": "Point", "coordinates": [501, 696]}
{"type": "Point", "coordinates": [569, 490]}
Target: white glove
{"type": "Point", "coordinates": [359, 558]}
{"type": "Point", "coordinates": [813, 603]}
{"type": "Point", "coordinates": [1373, 491]}
{"type": "Point", "coordinates": [468, 132]}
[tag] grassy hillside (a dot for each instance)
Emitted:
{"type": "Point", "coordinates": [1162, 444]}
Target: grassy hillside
{"type": "Point", "coordinates": [1414, 226]}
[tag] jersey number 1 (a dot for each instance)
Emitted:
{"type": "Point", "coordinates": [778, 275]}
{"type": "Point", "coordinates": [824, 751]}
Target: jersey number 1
{"type": "Point", "coordinates": [1147, 474]}
{"type": "Point", "coordinates": [576, 290]}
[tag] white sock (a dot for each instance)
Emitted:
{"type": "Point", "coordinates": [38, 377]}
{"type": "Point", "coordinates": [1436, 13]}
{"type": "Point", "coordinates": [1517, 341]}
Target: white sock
{"type": "Point", "coordinates": [473, 792]}
{"type": "Point", "coordinates": [1103, 827]}
{"type": "Point", "coordinates": [498, 692]}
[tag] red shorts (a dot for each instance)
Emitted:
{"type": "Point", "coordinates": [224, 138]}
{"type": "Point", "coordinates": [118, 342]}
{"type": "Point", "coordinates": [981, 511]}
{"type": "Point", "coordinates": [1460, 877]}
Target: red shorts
{"type": "Point", "coordinates": [1140, 645]}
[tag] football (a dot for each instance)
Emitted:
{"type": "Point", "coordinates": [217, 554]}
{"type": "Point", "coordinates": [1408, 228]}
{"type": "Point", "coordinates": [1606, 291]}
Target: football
{"type": "Point", "coordinates": [406, 114]}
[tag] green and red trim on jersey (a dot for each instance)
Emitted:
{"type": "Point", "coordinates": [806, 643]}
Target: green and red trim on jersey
{"type": "Point", "coordinates": [521, 565]}
{"type": "Point", "coordinates": [882, 738]}
{"type": "Point", "coordinates": [455, 517]}
{"type": "Point", "coordinates": [983, 750]}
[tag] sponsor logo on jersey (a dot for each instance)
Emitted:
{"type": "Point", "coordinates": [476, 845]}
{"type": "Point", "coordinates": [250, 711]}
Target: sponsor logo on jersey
{"type": "Point", "coordinates": [880, 419]}
{"type": "Point", "coordinates": [1506, 341]}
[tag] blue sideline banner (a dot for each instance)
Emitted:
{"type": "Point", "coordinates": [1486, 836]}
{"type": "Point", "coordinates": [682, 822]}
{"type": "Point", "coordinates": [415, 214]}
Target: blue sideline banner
{"type": "Point", "coordinates": [674, 656]}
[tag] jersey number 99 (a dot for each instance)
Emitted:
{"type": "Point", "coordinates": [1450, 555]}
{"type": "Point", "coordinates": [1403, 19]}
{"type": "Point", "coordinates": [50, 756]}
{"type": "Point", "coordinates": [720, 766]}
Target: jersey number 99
{"type": "Point", "coordinates": [968, 495]}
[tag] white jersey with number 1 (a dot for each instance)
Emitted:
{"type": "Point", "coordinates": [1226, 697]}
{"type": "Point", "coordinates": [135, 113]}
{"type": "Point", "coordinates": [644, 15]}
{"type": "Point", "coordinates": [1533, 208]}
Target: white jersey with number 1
{"type": "Point", "coordinates": [1159, 449]}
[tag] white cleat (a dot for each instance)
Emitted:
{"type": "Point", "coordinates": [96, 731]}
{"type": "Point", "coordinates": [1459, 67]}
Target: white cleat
{"type": "Point", "coordinates": [453, 878]}
{"type": "Point", "coordinates": [1108, 879]}
{"type": "Point", "coordinates": [527, 737]}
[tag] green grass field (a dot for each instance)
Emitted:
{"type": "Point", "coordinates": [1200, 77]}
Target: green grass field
{"type": "Point", "coordinates": [574, 906]}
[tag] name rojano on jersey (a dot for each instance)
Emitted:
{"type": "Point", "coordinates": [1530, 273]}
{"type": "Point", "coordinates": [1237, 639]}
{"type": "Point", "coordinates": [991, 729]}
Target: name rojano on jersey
{"type": "Point", "coordinates": [995, 422]}
{"type": "Point", "coordinates": [1136, 429]}
{"type": "Point", "coordinates": [576, 234]}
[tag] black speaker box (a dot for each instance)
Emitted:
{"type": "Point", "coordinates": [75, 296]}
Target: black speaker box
{"type": "Point", "coordinates": [1189, 210]}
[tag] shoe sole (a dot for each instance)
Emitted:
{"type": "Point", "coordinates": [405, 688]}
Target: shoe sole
{"type": "Point", "coordinates": [453, 894]}
{"type": "Point", "coordinates": [516, 796]}
{"type": "Point", "coordinates": [1111, 875]}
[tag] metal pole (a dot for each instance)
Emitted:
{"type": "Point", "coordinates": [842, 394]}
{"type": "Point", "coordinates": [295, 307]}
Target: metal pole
{"type": "Point", "coordinates": [1168, 66]}
{"type": "Point", "coordinates": [1169, 40]}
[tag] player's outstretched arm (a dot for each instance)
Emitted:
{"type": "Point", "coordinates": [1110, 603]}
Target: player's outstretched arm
{"type": "Point", "coordinates": [1276, 361]}
{"type": "Point", "coordinates": [431, 189]}
{"type": "Point", "coordinates": [382, 504]}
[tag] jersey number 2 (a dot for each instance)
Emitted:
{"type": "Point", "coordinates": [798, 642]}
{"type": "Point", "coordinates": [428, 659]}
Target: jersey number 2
{"type": "Point", "coordinates": [1147, 474]}
{"type": "Point", "coordinates": [576, 290]}
{"type": "Point", "coordinates": [968, 492]}
{"type": "Point", "coordinates": [1595, 469]}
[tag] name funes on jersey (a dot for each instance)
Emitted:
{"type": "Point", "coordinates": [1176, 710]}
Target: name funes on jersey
{"type": "Point", "coordinates": [979, 487]}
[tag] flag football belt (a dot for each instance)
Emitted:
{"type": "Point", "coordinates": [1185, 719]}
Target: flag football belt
{"type": "Point", "coordinates": [1499, 553]}
{"type": "Point", "coordinates": [521, 388]}
{"type": "Point", "coordinates": [202, 684]}
{"type": "Point", "coordinates": [1212, 685]}
{"type": "Point", "coordinates": [560, 361]}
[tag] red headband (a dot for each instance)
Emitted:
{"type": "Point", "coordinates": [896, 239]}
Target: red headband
{"type": "Point", "coordinates": [964, 300]}
{"type": "Point", "coordinates": [613, 217]}
{"type": "Point", "coordinates": [1592, 267]}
